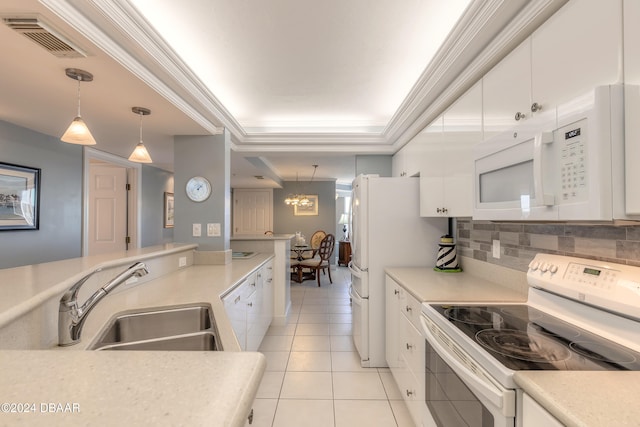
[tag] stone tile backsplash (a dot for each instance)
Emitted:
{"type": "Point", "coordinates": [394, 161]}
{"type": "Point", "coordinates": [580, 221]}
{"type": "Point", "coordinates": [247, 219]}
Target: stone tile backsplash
{"type": "Point", "coordinates": [520, 242]}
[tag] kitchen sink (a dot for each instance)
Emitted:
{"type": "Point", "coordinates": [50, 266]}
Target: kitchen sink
{"type": "Point", "coordinates": [185, 327]}
{"type": "Point", "coordinates": [201, 341]}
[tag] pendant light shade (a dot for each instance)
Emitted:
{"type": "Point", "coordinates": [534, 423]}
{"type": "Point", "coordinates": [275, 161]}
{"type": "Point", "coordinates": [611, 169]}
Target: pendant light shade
{"type": "Point", "coordinates": [78, 132]}
{"type": "Point", "coordinates": [140, 153]}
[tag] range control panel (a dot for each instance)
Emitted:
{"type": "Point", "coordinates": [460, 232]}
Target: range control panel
{"type": "Point", "coordinates": [615, 287]}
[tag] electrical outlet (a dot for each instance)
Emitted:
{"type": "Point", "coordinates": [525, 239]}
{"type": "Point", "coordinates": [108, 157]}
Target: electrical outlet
{"type": "Point", "coordinates": [213, 229]}
{"type": "Point", "coordinates": [182, 261]}
{"type": "Point", "coordinates": [496, 248]}
{"type": "Point", "coordinates": [197, 230]}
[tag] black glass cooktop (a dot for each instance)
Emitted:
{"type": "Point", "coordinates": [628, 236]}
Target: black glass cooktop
{"type": "Point", "coordinates": [523, 338]}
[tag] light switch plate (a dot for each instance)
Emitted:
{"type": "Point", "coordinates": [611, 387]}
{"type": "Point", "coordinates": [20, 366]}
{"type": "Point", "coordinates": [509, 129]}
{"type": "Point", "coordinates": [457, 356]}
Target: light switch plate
{"type": "Point", "coordinates": [197, 230]}
{"type": "Point", "coordinates": [213, 229]}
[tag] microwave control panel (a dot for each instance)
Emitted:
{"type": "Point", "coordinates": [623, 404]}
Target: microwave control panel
{"type": "Point", "coordinates": [573, 161]}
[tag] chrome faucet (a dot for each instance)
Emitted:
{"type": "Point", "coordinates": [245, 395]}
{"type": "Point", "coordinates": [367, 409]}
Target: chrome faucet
{"type": "Point", "coordinates": [71, 318]}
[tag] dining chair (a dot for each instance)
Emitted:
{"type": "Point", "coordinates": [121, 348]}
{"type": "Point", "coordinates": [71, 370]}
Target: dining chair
{"type": "Point", "coordinates": [316, 238]}
{"type": "Point", "coordinates": [321, 262]}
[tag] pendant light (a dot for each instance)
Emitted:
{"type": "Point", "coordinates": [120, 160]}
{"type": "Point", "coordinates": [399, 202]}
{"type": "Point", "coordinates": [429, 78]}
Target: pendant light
{"type": "Point", "coordinates": [78, 132]}
{"type": "Point", "coordinates": [140, 153]}
{"type": "Point", "coordinates": [300, 199]}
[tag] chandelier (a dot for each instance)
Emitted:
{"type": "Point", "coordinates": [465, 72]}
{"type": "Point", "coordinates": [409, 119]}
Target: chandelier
{"type": "Point", "coordinates": [300, 199]}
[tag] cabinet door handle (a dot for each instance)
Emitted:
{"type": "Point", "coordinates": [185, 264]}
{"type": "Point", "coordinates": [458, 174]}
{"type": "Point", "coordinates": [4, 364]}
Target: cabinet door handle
{"type": "Point", "coordinates": [535, 107]}
{"type": "Point", "coordinates": [408, 309]}
{"type": "Point", "coordinates": [409, 393]}
{"type": "Point", "coordinates": [519, 116]}
{"type": "Point", "coordinates": [250, 304]}
{"type": "Point", "coordinates": [409, 346]}
{"type": "Point", "coordinates": [396, 292]}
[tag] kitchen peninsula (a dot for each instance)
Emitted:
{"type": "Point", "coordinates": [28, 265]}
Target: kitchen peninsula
{"type": "Point", "coordinates": [141, 388]}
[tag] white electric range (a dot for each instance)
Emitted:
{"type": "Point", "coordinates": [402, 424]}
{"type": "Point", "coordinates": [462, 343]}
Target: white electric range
{"type": "Point", "coordinates": [580, 315]}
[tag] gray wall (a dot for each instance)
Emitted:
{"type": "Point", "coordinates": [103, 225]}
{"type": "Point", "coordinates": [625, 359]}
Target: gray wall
{"type": "Point", "coordinates": [210, 157]}
{"type": "Point", "coordinates": [374, 164]}
{"type": "Point", "coordinates": [284, 221]}
{"type": "Point", "coordinates": [60, 233]}
{"type": "Point", "coordinates": [59, 236]}
{"type": "Point", "coordinates": [521, 241]}
{"type": "Point", "coordinates": [155, 183]}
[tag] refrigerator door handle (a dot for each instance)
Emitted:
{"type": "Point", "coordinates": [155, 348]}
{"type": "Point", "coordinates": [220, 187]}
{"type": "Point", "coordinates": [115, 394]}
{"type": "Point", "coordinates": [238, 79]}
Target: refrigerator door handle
{"type": "Point", "coordinates": [357, 299]}
{"type": "Point", "coordinates": [355, 270]}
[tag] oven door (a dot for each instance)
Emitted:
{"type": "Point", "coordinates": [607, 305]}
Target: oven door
{"type": "Point", "coordinates": [458, 391]}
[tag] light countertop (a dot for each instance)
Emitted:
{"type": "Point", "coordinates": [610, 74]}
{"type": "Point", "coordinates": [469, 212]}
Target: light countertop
{"type": "Point", "coordinates": [140, 388]}
{"type": "Point", "coordinates": [593, 399]}
{"type": "Point", "coordinates": [263, 237]}
{"type": "Point", "coordinates": [128, 388]}
{"type": "Point", "coordinates": [425, 284]}
{"type": "Point", "coordinates": [25, 288]}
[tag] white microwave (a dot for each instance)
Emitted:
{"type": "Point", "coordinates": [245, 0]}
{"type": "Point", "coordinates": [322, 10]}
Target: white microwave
{"type": "Point", "coordinates": [556, 167]}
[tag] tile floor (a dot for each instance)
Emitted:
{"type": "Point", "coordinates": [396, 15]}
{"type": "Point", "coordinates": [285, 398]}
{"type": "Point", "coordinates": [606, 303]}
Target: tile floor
{"type": "Point", "coordinates": [313, 375]}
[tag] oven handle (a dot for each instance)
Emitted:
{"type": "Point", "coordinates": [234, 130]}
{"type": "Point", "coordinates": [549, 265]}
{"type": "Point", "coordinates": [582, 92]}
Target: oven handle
{"type": "Point", "coordinates": [487, 389]}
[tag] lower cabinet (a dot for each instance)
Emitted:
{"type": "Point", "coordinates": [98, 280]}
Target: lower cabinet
{"type": "Point", "coordinates": [405, 347]}
{"type": "Point", "coordinates": [250, 307]}
{"type": "Point", "coordinates": [534, 415]}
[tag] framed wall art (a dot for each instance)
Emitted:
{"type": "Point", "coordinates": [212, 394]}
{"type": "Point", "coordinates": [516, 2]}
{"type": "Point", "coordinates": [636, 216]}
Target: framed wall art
{"type": "Point", "coordinates": [19, 197]}
{"type": "Point", "coordinates": [311, 209]}
{"type": "Point", "coordinates": [168, 210]}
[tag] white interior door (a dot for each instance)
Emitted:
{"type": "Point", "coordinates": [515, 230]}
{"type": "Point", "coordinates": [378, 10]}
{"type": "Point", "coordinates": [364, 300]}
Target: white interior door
{"type": "Point", "coordinates": [252, 211]}
{"type": "Point", "coordinates": [107, 209]}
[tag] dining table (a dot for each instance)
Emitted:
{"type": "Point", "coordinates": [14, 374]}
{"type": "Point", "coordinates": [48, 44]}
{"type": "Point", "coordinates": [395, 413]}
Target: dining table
{"type": "Point", "coordinates": [298, 275]}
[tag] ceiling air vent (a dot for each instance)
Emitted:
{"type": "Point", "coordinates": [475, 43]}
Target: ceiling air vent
{"type": "Point", "coordinates": [41, 33]}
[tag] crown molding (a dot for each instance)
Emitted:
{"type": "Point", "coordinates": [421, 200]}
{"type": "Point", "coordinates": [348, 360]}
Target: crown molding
{"type": "Point", "coordinates": [517, 29]}
{"type": "Point", "coordinates": [111, 27]}
{"type": "Point", "coordinates": [491, 27]}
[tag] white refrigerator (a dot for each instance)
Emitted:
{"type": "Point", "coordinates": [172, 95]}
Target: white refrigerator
{"type": "Point", "coordinates": [386, 231]}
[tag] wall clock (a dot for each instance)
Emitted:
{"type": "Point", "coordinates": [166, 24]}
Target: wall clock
{"type": "Point", "coordinates": [198, 189]}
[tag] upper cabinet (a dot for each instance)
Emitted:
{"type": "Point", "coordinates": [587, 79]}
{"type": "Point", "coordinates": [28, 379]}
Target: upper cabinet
{"type": "Point", "coordinates": [632, 104]}
{"type": "Point", "coordinates": [578, 48]}
{"type": "Point", "coordinates": [406, 162]}
{"type": "Point", "coordinates": [446, 178]}
{"type": "Point", "coordinates": [506, 91]}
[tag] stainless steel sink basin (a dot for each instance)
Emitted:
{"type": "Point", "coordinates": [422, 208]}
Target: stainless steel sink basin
{"type": "Point", "coordinates": [201, 341]}
{"type": "Point", "coordinates": [186, 327]}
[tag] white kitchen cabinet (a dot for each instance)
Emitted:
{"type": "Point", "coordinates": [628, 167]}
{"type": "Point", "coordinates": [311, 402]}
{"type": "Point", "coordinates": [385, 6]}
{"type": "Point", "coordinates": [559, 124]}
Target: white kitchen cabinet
{"type": "Point", "coordinates": [405, 347]}
{"type": "Point", "coordinates": [506, 92]}
{"type": "Point", "coordinates": [575, 50]}
{"type": "Point", "coordinates": [534, 415]}
{"type": "Point", "coordinates": [446, 180]}
{"type": "Point", "coordinates": [235, 304]}
{"type": "Point", "coordinates": [395, 296]}
{"type": "Point", "coordinates": [632, 105]}
{"type": "Point", "coordinates": [407, 161]}
{"type": "Point", "coordinates": [266, 275]}
{"type": "Point", "coordinates": [250, 307]}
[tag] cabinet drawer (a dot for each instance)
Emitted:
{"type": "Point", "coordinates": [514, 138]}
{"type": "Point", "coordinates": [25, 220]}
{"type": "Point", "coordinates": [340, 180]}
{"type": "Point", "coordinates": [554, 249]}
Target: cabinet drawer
{"type": "Point", "coordinates": [412, 347]}
{"type": "Point", "coordinates": [411, 308]}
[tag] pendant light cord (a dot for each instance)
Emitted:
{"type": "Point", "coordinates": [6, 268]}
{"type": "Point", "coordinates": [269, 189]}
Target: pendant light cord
{"type": "Point", "coordinates": [141, 125]}
{"type": "Point", "coordinates": [79, 80]}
